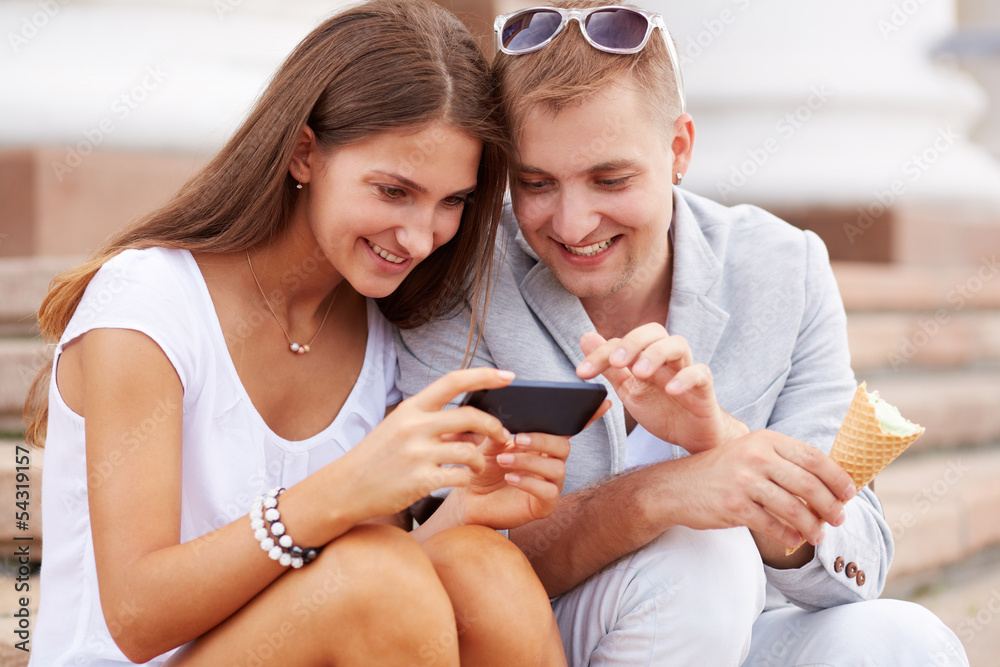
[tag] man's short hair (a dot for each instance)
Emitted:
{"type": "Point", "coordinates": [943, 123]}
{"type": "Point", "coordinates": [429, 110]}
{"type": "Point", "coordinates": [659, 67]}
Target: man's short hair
{"type": "Point", "coordinates": [569, 70]}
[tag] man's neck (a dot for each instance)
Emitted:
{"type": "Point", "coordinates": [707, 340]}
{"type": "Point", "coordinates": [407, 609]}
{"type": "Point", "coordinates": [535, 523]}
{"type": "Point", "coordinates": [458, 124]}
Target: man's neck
{"type": "Point", "coordinates": [638, 303]}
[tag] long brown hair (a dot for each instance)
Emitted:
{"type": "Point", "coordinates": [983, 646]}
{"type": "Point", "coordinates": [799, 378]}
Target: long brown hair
{"type": "Point", "coordinates": [383, 65]}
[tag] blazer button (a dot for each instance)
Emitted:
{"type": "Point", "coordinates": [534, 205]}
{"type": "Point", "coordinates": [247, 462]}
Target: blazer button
{"type": "Point", "coordinates": [861, 578]}
{"type": "Point", "coordinates": [852, 570]}
{"type": "Point", "coordinates": [838, 565]}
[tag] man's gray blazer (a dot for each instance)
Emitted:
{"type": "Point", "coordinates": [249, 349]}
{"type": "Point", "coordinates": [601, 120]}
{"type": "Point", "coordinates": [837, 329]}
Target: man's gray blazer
{"type": "Point", "coordinates": [756, 300]}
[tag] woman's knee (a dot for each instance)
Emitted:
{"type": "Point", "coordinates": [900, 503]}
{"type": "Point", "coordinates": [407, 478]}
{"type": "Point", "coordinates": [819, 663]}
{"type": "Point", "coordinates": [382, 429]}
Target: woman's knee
{"type": "Point", "coordinates": [377, 571]}
{"type": "Point", "coordinates": [492, 585]}
{"type": "Point", "coordinates": [465, 547]}
{"type": "Point", "coordinates": [486, 576]}
{"type": "Point", "coordinates": [475, 555]}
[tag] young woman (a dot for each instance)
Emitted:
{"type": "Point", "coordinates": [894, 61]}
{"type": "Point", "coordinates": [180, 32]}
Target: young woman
{"type": "Point", "coordinates": [219, 466]}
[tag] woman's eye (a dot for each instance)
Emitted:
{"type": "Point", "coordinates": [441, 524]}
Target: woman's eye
{"type": "Point", "coordinates": [533, 185]}
{"type": "Point", "coordinates": [392, 193]}
{"type": "Point", "coordinates": [456, 202]}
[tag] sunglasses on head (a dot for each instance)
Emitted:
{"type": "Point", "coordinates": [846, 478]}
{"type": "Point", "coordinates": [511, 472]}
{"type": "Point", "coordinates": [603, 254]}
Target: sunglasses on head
{"type": "Point", "coordinates": [613, 29]}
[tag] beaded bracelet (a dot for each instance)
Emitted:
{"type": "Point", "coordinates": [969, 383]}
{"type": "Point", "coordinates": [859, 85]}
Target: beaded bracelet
{"type": "Point", "coordinates": [265, 520]}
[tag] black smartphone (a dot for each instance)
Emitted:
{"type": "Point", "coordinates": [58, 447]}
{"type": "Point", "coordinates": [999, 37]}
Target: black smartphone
{"type": "Point", "coordinates": [526, 406]}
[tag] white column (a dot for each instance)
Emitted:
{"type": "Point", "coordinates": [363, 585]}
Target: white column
{"type": "Point", "coordinates": [840, 104]}
{"type": "Point", "coordinates": [977, 47]}
{"type": "Point", "coordinates": [126, 74]}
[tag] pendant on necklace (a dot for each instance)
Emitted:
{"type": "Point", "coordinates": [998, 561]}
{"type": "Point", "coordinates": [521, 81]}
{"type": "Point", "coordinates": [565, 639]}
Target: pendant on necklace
{"type": "Point", "coordinates": [298, 349]}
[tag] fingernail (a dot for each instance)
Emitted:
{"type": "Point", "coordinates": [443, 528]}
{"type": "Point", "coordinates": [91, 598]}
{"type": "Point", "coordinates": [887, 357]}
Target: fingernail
{"type": "Point", "coordinates": [841, 518]}
{"type": "Point", "coordinates": [506, 435]}
{"type": "Point", "coordinates": [505, 375]}
{"type": "Point", "coordinates": [850, 491]}
{"type": "Point", "coordinates": [643, 366]}
{"type": "Point", "coordinates": [512, 477]}
{"type": "Point", "coordinates": [586, 368]}
{"type": "Point", "coordinates": [618, 356]}
{"type": "Point", "coordinates": [674, 385]}
{"type": "Point", "coordinates": [522, 439]}
{"type": "Point", "coordinates": [820, 537]}
{"type": "Point", "coordinates": [505, 459]}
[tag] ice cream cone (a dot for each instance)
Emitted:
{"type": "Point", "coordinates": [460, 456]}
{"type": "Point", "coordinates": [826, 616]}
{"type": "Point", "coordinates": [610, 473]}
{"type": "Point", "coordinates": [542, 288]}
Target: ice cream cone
{"type": "Point", "coordinates": [862, 447]}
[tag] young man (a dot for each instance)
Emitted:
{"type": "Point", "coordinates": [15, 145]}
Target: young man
{"type": "Point", "coordinates": [682, 307]}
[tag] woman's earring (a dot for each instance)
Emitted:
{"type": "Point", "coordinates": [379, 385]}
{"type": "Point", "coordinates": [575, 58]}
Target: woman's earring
{"type": "Point", "coordinates": [680, 177]}
{"type": "Point", "coordinates": [298, 186]}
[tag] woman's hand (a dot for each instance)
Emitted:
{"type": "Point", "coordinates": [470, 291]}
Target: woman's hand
{"type": "Point", "coordinates": [415, 449]}
{"type": "Point", "coordinates": [521, 482]}
{"type": "Point", "coordinates": [664, 391]}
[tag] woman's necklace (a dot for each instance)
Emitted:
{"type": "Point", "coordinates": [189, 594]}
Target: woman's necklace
{"type": "Point", "coordinates": [294, 347]}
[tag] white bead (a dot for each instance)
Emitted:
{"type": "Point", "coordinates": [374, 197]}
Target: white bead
{"type": "Point", "coordinates": [257, 524]}
{"type": "Point", "coordinates": [272, 514]}
{"type": "Point", "coordinates": [286, 541]}
{"type": "Point", "coordinates": [285, 559]}
{"type": "Point", "coordinates": [295, 347]}
{"type": "Point", "coordinates": [297, 562]}
{"type": "Point", "coordinates": [267, 544]}
{"type": "Point", "coordinates": [256, 513]}
{"type": "Point", "coordinates": [270, 502]}
{"type": "Point", "coordinates": [275, 553]}
{"type": "Point", "coordinates": [277, 528]}
{"type": "Point", "coordinates": [260, 534]}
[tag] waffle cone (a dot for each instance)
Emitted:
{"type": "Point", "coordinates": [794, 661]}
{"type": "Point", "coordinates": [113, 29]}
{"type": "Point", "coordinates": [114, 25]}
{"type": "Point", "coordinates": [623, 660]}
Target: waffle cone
{"type": "Point", "coordinates": [861, 447]}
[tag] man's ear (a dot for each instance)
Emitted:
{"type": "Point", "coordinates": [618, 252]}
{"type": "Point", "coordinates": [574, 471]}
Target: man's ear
{"type": "Point", "coordinates": [303, 158]}
{"type": "Point", "coordinates": [682, 143]}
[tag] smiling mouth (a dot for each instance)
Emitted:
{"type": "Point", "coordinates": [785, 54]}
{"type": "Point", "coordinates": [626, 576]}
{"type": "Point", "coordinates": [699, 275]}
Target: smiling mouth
{"type": "Point", "coordinates": [590, 250]}
{"type": "Point", "coordinates": [385, 254]}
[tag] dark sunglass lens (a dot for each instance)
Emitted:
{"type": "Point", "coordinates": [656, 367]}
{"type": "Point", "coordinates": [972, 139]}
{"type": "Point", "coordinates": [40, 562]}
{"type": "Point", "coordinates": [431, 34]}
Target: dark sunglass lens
{"type": "Point", "coordinates": [617, 28]}
{"type": "Point", "coordinates": [529, 29]}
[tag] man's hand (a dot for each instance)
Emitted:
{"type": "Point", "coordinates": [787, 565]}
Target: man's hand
{"type": "Point", "coordinates": [653, 374]}
{"type": "Point", "coordinates": [763, 481]}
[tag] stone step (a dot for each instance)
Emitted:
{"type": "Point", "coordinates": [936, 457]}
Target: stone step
{"type": "Point", "coordinates": [24, 282]}
{"type": "Point", "coordinates": [12, 478]}
{"type": "Point", "coordinates": [899, 341]}
{"type": "Point", "coordinates": [919, 232]}
{"type": "Point", "coordinates": [47, 212]}
{"type": "Point", "coordinates": [866, 286]}
{"type": "Point", "coordinates": [956, 407]}
{"type": "Point", "coordinates": [941, 507]}
{"type": "Point", "coordinates": [966, 597]}
{"type": "Point", "coordinates": [20, 361]}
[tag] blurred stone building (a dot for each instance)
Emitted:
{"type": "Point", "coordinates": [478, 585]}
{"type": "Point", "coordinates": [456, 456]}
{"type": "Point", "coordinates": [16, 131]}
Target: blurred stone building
{"type": "Point", "coordinates": [875, 123]}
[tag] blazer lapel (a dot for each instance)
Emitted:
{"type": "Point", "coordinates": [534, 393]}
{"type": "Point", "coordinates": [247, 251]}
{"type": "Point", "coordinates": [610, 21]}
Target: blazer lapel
{"type": "Point", "coordinates": [693, 313]}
